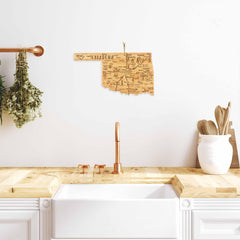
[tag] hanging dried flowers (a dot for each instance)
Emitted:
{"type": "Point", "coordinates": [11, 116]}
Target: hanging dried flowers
{"type": "Point", "coordinates": [2, 92]}
{"type": "Point", "coordinates": [22, 101]}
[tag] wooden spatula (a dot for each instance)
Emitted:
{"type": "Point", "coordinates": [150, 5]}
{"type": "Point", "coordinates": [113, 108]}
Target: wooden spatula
{"type": "Point", "coordinates": [219, 115]}
{"type": "Point", "coordinates": [226, 119]}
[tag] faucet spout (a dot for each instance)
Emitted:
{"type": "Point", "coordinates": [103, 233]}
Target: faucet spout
{"type": "Point", "coordinates": [117, 169]}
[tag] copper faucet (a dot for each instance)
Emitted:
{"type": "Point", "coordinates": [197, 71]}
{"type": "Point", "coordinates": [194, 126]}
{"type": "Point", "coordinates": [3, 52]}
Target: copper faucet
{"type": "Point", "coordinates": [117, 169]}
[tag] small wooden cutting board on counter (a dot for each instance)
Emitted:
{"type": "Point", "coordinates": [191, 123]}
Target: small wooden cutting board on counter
{"type": "Point", "coordinates": [206, 186]}
{"type": "Point", "coordinates": [188, 182]}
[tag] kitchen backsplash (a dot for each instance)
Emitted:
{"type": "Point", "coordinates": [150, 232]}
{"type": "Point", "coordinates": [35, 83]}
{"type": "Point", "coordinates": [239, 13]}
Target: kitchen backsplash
{"type": "Point", "coordinates": [195, 55]}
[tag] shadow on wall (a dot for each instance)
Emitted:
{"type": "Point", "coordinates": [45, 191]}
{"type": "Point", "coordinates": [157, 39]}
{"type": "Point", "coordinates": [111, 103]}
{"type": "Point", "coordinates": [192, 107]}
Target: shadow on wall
{"type": "Point", "coordinates": [191, 155]}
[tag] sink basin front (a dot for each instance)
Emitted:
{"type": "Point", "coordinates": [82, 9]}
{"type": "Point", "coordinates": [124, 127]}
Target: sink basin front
{"type": "Point", "coordinates": [115, 211]}
{"type": "Point", "coordinates": [115, 191]}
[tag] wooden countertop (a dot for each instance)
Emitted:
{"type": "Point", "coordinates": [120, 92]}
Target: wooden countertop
{"type": "Point", "coordinates": [188, 182]}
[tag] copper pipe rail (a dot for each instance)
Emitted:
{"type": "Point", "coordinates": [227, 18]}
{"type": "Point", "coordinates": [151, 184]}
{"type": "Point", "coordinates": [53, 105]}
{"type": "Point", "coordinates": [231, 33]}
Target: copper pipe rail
{"type": "Point", "coordinates": [37, 50]}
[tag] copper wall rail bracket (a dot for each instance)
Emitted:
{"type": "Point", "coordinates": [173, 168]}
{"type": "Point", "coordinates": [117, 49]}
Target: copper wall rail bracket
{"type": "Point", "coordinates": [37, 50]}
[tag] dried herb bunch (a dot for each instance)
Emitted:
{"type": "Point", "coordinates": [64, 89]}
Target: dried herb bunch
{"type": "Point", "coordinates": [22, 101]}
{"type": "Point", "coordinates": [2, 92]}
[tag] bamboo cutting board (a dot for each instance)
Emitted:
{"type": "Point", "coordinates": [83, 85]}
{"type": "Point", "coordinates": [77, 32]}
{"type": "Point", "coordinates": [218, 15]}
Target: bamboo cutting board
{"type": "Point", "coordinates": [128, 73]}
{"type": "Point", "coordinates": [206, 186]}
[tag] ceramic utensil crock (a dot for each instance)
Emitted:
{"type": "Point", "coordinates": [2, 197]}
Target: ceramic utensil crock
{"type": "Point", "coordinates": [215, 153]}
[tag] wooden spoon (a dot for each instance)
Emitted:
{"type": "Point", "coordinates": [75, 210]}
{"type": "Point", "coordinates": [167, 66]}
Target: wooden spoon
{"type": "Point", "coordinates": [207, 127]}
{"type": "Point", "coordinates": [211, 128]}
{"type": "Point", "coordinates": [219, 115]}
{"type": "Point", "coordinates": [201, 125]}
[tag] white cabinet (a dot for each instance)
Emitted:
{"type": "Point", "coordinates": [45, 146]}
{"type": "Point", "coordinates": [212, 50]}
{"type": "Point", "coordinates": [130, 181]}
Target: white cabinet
{"type": "Point", "coordinates": [45, 219]}
{"type": "Point", "coordinates": [19, 224]}
{"type": "Point", "coordinates": [200, 219]}
{"type": "Point", "coordinates": [210, 219]}
{"type": "Point", "coordinates": [25, 219]}
{"type": "Point", "coordinates": [216, 224]}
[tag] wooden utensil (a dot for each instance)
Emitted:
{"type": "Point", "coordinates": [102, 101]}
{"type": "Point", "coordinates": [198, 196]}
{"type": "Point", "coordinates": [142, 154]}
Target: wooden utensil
{"type": "Point", "coordinates": [211, 128]}
{"type": "Point", "coordinates": [226, 119]}
{"type": "Point", "coordinates": [207, 127]}
{"type": "Point", "coordinates": [201, 125]}
{"type": "Point", "coordinates": [219, 115]}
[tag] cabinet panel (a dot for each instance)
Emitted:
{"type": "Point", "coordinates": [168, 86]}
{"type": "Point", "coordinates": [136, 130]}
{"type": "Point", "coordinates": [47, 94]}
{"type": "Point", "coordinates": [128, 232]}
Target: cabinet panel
{"type": "Point", "coordinates": [113, 239]}
{"type": "Point", "coordinates": [19, 225]}
{"type": "Point", "coordinates": [216, 224]}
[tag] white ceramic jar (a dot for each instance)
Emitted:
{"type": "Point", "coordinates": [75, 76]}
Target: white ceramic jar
{"type": "Point", "coordinates": [215, 153]}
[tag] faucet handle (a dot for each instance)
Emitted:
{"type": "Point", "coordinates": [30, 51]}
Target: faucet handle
{"type": "Point", "coordinates": [83, 167]}
{"type": "Point", "coordinates": [99, 167]}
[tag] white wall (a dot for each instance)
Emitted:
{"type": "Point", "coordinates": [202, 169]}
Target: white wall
{"type": "Point", "coordinates": [196, 56]}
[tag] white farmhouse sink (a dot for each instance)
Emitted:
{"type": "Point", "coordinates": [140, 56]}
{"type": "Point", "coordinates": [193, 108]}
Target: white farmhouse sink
{"type": "Point", "coordinates": [115, 211]}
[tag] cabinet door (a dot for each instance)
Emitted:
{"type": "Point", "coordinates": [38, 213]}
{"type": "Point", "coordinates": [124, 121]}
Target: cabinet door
{"type": "Point", "coordinates": [19, 225]}
{"type": "Point", "coordinates": [216, 224]}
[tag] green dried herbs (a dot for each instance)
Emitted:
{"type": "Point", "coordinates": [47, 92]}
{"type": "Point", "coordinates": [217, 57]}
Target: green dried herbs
{"type": "Point", "coordinates": [22, 101]}
{"type": "Point", "coordinates": [2, 92]}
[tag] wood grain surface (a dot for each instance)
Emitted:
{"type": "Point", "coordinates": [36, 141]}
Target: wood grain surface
{"type": "Point", "coordinates": [188, 182]}
{"type": "Point", "coordinates": [129, 73]}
